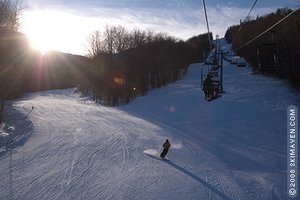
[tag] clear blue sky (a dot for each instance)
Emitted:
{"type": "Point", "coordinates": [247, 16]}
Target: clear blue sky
{"type": "Point", "coordinates": [181, 18]}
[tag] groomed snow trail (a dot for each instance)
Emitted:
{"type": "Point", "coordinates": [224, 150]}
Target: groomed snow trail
{"type": "Point", "coordinates": [231, 148]}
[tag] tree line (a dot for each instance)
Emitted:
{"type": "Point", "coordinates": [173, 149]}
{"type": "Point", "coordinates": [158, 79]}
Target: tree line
{"type": "Point", "coordinates": [9, 21]}
{"type": "Point", "coordinates": [126, 64]}
{"type": "Point", "coordinates": [285, 38]}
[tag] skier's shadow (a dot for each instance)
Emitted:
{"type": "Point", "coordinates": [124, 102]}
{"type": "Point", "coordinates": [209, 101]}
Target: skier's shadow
{"type": "Point", "coordinates": [190, 174]}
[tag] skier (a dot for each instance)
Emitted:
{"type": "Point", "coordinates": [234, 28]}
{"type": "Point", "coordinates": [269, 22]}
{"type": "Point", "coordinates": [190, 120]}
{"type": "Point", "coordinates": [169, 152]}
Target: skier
{"type": "Point", "coordinates": [166, 146]}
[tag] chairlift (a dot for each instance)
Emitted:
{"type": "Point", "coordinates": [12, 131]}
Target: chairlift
{"type": "Point", "coordinates": [214, 72]}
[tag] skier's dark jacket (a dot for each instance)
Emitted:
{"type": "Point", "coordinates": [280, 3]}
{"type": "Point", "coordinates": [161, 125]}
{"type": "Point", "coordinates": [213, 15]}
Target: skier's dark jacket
{"type": "Point", "coordinates": [167, 145]}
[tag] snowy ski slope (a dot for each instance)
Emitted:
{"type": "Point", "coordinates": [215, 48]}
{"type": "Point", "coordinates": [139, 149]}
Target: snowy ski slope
{"type": "Point", "coordinates": [231, 148]}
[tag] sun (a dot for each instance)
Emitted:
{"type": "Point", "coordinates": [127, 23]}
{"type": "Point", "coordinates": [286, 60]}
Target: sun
{"type": "Point", "coordinates": [40, 31]}
{"type": "Point", "coordinates": [50, 30]}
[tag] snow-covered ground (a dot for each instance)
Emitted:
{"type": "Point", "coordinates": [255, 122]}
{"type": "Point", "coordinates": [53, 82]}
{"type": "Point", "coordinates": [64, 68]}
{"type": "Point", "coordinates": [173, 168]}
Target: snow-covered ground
{"type": "Point", "coordinates": [231, 148]}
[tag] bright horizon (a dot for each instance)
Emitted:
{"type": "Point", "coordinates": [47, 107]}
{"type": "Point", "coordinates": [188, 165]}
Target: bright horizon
{"type": "Point", "coordinates": [65, 27]}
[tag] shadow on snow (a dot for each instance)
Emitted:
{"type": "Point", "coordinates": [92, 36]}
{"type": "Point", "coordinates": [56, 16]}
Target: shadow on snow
{"type": "Point", "coordinates": [19, 128]}
{"type": "Point", "coordinates": [193, 176]}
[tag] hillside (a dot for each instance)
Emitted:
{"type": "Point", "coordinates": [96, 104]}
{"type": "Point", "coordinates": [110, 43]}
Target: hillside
{"type": "Point", "coordinates": [272, 43]}
{"type": "Point", "coordinates": [24, 69]}
{"type": "Point", "coordinates": [231, 148]}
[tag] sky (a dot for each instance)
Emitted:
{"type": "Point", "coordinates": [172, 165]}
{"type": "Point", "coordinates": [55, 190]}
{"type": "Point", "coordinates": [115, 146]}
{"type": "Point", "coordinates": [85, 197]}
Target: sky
{"type": "Point", "coordinates": [65, 25]}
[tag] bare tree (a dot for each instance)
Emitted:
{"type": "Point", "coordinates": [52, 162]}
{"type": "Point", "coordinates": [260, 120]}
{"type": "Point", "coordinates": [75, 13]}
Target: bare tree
{"type": "Point", "coordinates": [149, 35]}
{"type": "Point", "coordinates": [109, 37]}
{"type": "Point", "coordinates": [138, 38]}
{"type": "Point", "coordinates": [10, 14]}
{"type": "Point", "coordinates": [121, 39]}
{"type": "Point", "coordinates": [116, 39]}
{"type": "Point", "coordinates": [95, 43]}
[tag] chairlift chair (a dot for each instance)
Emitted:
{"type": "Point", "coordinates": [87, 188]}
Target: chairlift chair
{"type": "Point", "coordinates": [214, 72]}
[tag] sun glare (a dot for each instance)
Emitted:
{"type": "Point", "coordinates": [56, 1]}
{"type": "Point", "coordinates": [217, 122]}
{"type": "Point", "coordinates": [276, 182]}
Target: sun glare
{"type": "Point", "coordinates": [39, 29]}
{"type": "Point", "coordinates": [52, 30]}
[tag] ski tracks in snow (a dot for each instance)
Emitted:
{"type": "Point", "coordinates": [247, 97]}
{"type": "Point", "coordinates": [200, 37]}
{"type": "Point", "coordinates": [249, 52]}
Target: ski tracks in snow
{"type": "Point", "coordinates": [69, 171]}
{"type": "Point", "coordinates": [86, 151]}
{"type": "Point", "coordinates": [125, 150]}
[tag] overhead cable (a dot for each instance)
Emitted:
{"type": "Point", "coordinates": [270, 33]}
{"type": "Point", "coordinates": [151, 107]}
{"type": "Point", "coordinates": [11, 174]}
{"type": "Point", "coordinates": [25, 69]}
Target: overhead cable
{"type": "Point", "coordinates": [264, 32]}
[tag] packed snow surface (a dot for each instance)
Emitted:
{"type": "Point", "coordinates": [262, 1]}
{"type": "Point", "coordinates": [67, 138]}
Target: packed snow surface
{"type": "Point", "coordinates": [232, 148]}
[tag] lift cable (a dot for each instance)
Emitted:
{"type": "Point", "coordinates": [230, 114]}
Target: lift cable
{"type": "Point", "coordinates": [264, 32]}
{"type": "Point", "coordinates": [248, 15]}
{"type": "Point", "coordinates": [244, 20]}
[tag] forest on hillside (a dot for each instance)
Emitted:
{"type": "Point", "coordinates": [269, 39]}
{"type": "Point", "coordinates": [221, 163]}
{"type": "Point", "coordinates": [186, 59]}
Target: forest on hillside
{"type": "Point", "coordinates": [127, 64]}
{"type": "Point", "coordinates": [275, 51]}
{"type": "Point", "coordinates": [121, 64]}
